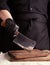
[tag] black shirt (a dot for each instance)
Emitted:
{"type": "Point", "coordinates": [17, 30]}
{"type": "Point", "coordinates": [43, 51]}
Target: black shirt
{"type": "Point", "coordinates": [3, 5]}
{"type": "Point", "coordinates": [29, 6]}
{"type": "Point", "coordinates": [26, 6]}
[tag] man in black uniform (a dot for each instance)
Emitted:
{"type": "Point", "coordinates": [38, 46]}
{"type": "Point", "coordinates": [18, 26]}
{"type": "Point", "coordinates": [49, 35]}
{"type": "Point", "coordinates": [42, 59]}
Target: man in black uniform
{"type": "Point", "coordinates": [31, 17]}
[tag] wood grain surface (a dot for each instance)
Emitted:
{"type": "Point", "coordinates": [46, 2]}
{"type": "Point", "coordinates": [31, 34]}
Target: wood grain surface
{"type": "Point", "coordinates": [34, 55]}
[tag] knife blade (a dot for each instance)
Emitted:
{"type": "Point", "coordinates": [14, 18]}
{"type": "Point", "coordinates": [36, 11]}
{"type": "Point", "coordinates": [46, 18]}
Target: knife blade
{"type": "Point", "coordinates": [24, 42]}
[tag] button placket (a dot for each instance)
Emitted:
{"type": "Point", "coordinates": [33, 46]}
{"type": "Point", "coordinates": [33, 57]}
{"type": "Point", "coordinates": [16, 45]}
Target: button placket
{"type": "Point", "coordinates": [31, 5]}
{"type": "Point", "coordinates": [31, 9]}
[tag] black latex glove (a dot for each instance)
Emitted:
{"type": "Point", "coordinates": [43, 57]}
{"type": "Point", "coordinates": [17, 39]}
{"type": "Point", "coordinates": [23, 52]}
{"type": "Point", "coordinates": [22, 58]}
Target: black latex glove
{"type": "Point", "coordinates": [11, 27]}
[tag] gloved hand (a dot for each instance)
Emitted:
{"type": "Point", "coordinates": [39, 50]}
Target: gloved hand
{"type": "Point", "coordinates": [11, 27]}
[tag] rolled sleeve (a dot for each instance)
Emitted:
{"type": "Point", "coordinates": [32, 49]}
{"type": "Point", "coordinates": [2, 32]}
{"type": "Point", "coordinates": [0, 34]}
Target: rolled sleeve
{"type": "Point", "coordinates": [3, 5]}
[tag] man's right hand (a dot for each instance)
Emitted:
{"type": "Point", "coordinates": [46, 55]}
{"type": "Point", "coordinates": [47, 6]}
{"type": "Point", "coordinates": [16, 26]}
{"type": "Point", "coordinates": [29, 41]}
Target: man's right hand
{"type": "Point", "coordinates": [11, 26]}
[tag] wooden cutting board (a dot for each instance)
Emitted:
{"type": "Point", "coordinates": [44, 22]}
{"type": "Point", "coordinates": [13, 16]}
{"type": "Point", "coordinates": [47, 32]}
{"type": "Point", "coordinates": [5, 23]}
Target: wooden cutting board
{"type": "Point", "coordinates": [34, 55]}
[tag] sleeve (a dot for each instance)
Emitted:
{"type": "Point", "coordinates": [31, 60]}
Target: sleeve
{"type": "Point", "coordinates": [3, 5]}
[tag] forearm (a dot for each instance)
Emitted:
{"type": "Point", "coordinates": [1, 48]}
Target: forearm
{"type": "Point", "coordinates": [8, 22]}
{"type": "Point", "coordinates": [5, 14]}
{"type": "Point", "coordinates": [6, 19]}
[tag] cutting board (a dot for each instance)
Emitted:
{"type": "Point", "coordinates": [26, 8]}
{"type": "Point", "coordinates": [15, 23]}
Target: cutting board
{"type": "Point", "coordinates": [34, 55]}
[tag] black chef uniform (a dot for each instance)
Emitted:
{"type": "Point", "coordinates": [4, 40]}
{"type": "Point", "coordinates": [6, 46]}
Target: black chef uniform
{"type": "Point", "coordinates": [31, 16]}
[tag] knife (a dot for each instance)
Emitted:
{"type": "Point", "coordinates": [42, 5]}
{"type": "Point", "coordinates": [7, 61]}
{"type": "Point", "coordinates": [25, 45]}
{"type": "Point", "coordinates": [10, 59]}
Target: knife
{"type": "Point", "coordinates": [24, 42]}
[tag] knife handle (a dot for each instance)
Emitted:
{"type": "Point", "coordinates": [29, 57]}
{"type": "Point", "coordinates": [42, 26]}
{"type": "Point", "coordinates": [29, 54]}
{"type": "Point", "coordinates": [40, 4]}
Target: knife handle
{"type": "Point", "coordinates": [11, 26]}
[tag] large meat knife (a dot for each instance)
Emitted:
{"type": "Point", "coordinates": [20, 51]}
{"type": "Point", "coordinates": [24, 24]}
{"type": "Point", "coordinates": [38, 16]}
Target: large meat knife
{"type": "Point", "coordinates": [24, 42]}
